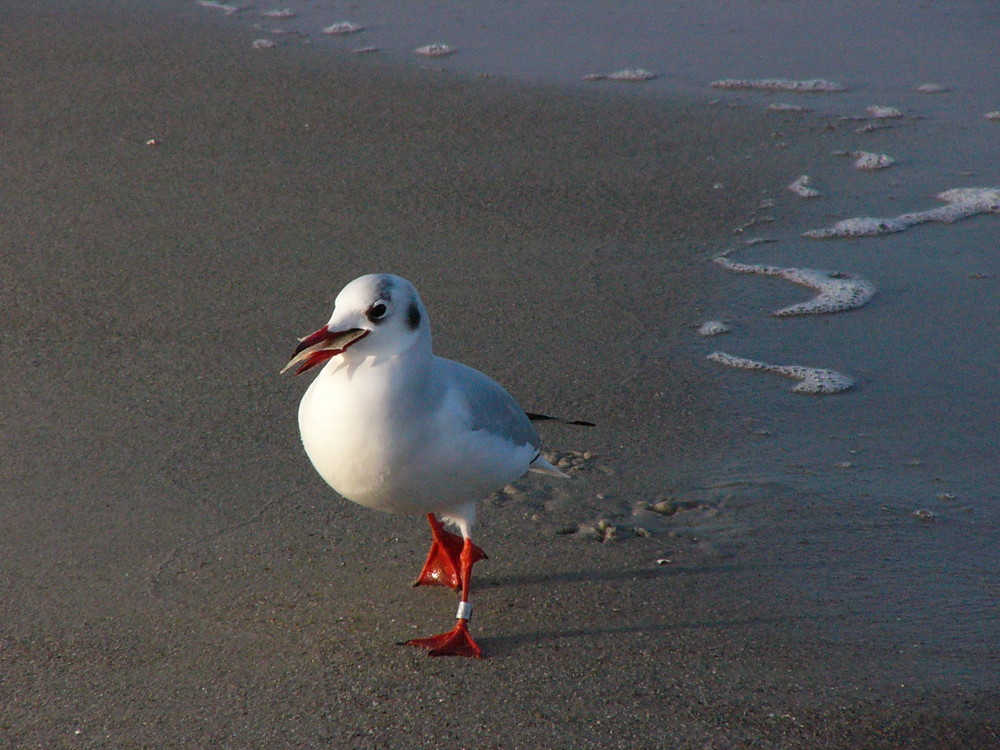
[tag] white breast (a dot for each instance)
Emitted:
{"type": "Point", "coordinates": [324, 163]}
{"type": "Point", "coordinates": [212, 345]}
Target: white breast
{"type": "Point", "coordinates": [404, 445]}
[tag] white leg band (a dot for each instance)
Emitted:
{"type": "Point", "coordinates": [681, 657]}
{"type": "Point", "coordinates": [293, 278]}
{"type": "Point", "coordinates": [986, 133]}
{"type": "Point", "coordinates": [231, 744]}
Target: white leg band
{"type": "Point", "coordinates": [464, 611]}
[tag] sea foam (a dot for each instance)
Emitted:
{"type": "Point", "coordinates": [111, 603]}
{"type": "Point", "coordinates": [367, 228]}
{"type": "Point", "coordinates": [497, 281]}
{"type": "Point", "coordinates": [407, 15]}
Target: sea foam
{"type": "Point", "coordinates": [801, 187]}
{"type": "Point", "coordinates": [960, 203]}
{"type": "Point", "coordinates": [811, 86]}
{"type": "Point", "coordinates": [837, 291]}
{"type": "Point", "coordinates": [812, 379]}
{"type": "Point", "coordinates": [629, 75]}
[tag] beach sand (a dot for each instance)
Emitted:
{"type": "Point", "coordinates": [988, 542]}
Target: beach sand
{"type": "Point", "coordinates": [175, 575]}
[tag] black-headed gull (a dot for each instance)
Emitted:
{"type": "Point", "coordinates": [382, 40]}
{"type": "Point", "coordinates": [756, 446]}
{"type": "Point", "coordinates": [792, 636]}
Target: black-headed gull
{"type": "Point", "coordinates": [393, 427]}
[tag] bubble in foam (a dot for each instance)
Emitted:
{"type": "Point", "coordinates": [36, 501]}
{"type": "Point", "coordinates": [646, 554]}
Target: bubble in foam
{"type": "Point", "coordinates": [836, 291]}
{"type": "Point", "coordinates": [800, 186]}
{"type": "Point", "coordinates": [713, 328]}
{"type": "Point", "coordinates": [812, 379]}
{"type": "Point", "coordinates": [961, 203]}
{"type": "Point", "coordinates": [629, 75]}
{"type": "Point", "coordinates": [812, 86]}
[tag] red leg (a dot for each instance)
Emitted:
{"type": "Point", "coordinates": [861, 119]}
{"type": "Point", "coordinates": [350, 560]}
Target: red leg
{"type": "Point", "coordinates": [457, 641]}
{"type": "Point", "coordinates": [443, 561]}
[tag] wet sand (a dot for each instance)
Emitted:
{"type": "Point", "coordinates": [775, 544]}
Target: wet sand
{"type": "Point", "coordinates": [174, 573]}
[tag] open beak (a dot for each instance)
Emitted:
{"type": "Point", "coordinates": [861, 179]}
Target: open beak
{"type": "Point", "coordinates": [317, 348]}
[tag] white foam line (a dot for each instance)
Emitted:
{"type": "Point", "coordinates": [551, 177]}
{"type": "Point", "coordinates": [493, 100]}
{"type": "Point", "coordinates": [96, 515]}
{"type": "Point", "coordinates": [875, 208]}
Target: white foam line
{"type": "Point", "coordinates": [881, 112]}
{"type": "Point", "coordinates": [713, 328]}
{"type": "Point", "coordinates": [800, 186]}
{"type": "Point", "coordinates": [837, 291]}
{"type": "Point", "coordinates": [629, 75]}
{"type": "Point", "coordinates": [437, 49]}
{"type": "Point", "coordinates": [340, 28]}
{"type": "Point", "coordinates": [813, 380]}
{"type": "Point", "coordinates": [961, 203]}
{"type": "Point", "coordinates": [812, 86]}
{"type": "Point", "coordinates": [868, 161]}
{"type": "Point", "coordinates": [227, 9]}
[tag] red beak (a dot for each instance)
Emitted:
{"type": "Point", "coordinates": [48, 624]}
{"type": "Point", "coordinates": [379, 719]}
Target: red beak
{"type": "Point", "coordinates": [317, 348]}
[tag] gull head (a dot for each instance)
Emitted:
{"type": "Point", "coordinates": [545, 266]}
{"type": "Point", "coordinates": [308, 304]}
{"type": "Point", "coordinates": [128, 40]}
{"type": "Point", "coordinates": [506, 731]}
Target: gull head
{"type": "Point", "coordinates": [378, 315]}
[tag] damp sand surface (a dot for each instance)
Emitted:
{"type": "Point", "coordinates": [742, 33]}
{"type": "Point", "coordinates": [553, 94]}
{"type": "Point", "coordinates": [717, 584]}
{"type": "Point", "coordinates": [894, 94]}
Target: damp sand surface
{"type": "Point", "coordinates": [180, 205]}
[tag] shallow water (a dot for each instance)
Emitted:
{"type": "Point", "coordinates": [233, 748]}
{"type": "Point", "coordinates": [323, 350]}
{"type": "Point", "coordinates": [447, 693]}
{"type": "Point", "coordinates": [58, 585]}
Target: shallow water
{"type": "Point", "coordinates": [900, 469]}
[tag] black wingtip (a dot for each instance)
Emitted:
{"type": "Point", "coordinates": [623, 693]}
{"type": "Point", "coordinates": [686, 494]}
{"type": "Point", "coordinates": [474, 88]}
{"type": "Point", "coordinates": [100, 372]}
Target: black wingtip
{"type": "Point", "coordinates": [546, 418]}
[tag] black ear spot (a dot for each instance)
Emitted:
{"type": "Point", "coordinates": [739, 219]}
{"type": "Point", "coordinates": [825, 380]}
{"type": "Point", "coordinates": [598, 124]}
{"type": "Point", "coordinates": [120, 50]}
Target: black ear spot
{"type": "Point", "coordinates": [413, 316]}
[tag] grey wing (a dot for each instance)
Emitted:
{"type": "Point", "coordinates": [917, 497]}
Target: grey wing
{"type": "Point", "coordinates": [491, 408]}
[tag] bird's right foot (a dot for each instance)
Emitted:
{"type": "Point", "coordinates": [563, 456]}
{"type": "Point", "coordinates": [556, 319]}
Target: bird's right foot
{"type": "Point", "coordinates": [456, 642]}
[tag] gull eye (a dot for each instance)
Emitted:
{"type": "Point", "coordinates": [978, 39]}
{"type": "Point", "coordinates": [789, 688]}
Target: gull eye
{"type": "Point", "coordinates": [376, 312]}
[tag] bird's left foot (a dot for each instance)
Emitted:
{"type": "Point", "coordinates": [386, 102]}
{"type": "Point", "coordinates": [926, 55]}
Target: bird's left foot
{"type": "Point", "coordinates": [456, 642]}
{"type": "Point", "coordinates": [443, 565]}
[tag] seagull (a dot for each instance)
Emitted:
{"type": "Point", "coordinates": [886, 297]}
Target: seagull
{"type": "Point", "coordinates": [393, 427]}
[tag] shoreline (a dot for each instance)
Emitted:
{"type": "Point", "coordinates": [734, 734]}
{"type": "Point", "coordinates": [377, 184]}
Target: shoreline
{"type": "Point", "coordinates": [177, 576]}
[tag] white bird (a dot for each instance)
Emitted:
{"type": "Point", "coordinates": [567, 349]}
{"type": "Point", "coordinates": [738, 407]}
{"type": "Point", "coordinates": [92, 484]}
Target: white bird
{"type": "Point", "coordinates": [393, 427]}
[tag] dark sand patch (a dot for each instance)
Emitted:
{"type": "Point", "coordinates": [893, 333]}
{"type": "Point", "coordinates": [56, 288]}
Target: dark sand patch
{"type": "Point", "coordinates": [175, 576]}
